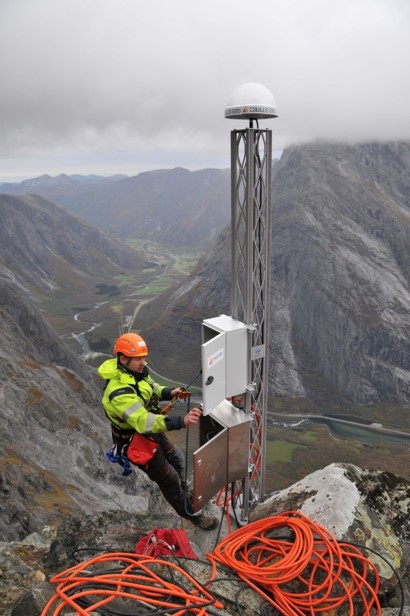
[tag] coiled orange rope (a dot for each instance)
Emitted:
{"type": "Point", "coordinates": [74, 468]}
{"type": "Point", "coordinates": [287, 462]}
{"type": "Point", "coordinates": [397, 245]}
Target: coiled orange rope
{"type": "Point", "coordinates": [293, 563]}
{"type": "Point", "coordinates": [307, 572]}
{"type": "Point", "coordinates": [127, 577]}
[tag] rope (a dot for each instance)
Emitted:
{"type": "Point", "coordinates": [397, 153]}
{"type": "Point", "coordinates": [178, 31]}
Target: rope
{"type": "Point", "coordinates": [129, 578]}
{"type": "Point", "coordinates": [308, 572]}
{"type": "Point", "coordinates": [294, 564]}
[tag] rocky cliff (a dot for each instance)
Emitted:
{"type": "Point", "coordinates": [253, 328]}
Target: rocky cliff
{"type": "Point", "coordinates": [53, 430]}
{"type": "Point", "coordinates": [54, 433]}
{"type": "Point", "coordinates": [340, 294]}
{"type": "Point", "coordinates": [340, 321]}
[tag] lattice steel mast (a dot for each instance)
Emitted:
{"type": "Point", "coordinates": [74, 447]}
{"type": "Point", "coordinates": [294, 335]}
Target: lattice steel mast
{"type": "Point", "coordinates": [251, 169]}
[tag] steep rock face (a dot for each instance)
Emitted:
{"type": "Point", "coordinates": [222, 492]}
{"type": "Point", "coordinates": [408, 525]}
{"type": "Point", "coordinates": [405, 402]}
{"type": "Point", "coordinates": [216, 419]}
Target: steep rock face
{"type": "Point", "coordinates": [54, 432]}
{"type": "Point", "coordinates": [340, 258]}
{"type": "Point", "coordinates": [26, 334]}
{"type": "Point", "coordinates": [340, 295]}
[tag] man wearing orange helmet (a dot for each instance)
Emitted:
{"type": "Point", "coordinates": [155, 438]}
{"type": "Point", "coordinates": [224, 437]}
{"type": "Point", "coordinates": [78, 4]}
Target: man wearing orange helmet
{"type": "Point", "coordinates": [127, 400]}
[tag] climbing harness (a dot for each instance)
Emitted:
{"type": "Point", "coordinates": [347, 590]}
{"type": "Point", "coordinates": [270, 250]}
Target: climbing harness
{"type": "Point", "coordinates": [118, 453]}
{"type": "Point", "coordinates": [139, 449]}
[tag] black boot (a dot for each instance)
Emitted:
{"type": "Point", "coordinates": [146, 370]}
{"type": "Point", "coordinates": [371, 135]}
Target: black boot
{"type": "Point", "coordinates": [204, 521]}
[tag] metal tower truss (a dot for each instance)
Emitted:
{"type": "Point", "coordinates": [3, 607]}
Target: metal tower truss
{"type": "Point", "coordinates": [251, 170]}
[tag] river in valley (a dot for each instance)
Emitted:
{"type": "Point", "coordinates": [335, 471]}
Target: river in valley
{"type": "Point", "coordinates": [345, 428]}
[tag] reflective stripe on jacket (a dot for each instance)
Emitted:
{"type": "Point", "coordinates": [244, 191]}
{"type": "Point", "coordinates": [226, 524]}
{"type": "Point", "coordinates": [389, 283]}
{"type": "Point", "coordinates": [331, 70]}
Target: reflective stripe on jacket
{"type": "Point", "coordinates": [125, 401]}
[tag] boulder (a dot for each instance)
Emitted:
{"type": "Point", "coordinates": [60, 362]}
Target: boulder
{"type": "Point", "coordinates": [367, 508]}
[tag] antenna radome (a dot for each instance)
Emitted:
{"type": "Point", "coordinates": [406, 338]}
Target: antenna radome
{"type": "Point", "coordinates": [251, 101]}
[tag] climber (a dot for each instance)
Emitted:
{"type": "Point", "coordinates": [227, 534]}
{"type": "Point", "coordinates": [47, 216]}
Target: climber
{"type": "Point", "coordinates": [129, 400]}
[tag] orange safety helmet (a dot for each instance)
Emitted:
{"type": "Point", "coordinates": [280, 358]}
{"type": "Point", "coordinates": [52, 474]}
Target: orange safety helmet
{"type": "Point", "coordinates": [131, 345]}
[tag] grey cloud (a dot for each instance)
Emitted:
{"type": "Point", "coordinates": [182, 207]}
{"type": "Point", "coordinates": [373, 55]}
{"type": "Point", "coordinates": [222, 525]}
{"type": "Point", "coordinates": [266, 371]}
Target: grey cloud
{"type": "Point", "coordinates": [101, 76]}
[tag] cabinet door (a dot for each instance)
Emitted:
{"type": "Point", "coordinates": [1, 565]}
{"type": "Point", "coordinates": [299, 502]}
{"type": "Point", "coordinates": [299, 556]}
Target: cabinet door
{"type": "Point", "coordinates": [213, 355]}
{"type": "Point", "coordinates": [210, 469]}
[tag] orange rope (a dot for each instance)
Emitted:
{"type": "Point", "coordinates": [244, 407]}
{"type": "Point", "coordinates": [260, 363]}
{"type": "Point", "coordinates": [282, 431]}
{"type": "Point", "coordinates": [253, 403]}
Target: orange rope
{"type": "Point", "coordinates": [129, 577]}
{"type": "Point", "coordinates": [309, 573]}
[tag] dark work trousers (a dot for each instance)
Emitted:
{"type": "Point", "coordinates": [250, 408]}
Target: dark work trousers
{"type": "Point", "coordinates": [167, 469]}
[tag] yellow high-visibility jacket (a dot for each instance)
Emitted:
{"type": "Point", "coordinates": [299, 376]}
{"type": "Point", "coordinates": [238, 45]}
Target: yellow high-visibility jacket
{"type": "Point", "coordinates": [126, 400]}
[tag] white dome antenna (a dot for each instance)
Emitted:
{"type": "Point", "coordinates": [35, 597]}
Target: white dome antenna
{"type": "Point", "coordinates": [251, 101]}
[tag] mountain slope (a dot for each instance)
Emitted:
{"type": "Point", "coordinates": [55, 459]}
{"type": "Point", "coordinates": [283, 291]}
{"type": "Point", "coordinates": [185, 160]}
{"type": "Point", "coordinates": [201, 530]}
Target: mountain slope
{"type": "Point", "coordinates": [54, 431]}
{"type": "Point", "coordinates": [67, 265]}
{"type": "Point", "coordinates": [174, 206]}
{"type": "Point", "coordinates": [47, 247]}
{"type": "Point", "coordinates": [340, 279]}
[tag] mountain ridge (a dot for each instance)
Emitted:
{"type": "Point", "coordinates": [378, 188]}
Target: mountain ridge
{"type": "Point", "coordinates": [49, 249]}
{"type": "Point", "coordinates": [176, 206]}
{"type": "Point", "coordinates": [340, 276]}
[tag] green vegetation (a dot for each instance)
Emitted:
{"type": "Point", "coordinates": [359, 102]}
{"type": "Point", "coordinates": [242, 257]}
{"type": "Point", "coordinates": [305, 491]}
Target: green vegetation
{"type": "Point", "coordinates": [167, 268]}
{"type": "Point", "coordinates": [157, 286]}
{"type": "Point", "coordinates": [102, 345]}
{"type": "Point", "coordinates": [123, 296]}
{"type": "Point", "coordinates": [125, 279]}
{"type": "Point", "coordinates": [182, 259]}
{"type": "Point", "coordinates": [279, 451]}
{"type": "Point", "coordinates": [293, 453]}
{"type": "Point", "coordinates": [309, 437]}
{"type": "Point", "coordinates": [107, 289]}
{"type": "Point", "coordinates": [186, 262]}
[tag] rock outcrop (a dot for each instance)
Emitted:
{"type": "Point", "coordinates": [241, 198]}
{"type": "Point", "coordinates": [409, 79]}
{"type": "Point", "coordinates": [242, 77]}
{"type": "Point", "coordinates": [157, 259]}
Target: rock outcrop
{"type": "Point", "coordinates": [340, 282]}
{"type": "Point", "coordinates": [368, 509]}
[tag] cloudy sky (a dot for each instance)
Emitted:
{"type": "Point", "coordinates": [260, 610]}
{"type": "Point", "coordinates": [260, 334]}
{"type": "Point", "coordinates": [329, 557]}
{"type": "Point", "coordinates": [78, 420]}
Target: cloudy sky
{"type": "Point", "coordinates": [122, 86]}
